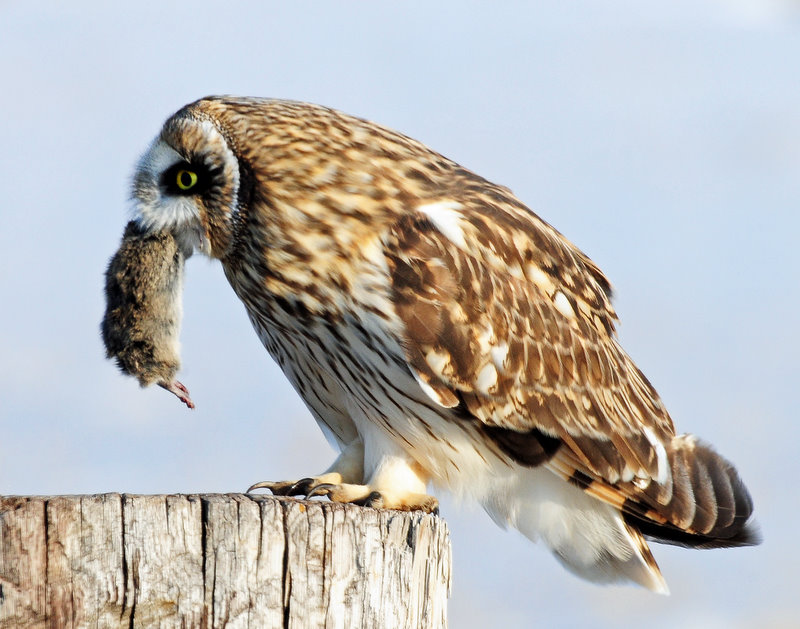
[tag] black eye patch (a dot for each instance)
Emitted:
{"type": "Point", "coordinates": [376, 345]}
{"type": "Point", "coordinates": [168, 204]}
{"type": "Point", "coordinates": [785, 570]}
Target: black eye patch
{"type": "Point", "coordinates": [185, 179]}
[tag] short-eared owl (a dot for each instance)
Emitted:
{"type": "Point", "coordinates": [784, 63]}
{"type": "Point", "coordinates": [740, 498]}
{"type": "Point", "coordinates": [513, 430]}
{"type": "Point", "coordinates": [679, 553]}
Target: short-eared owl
{"type": "Point", "coordinates": [439, 331]}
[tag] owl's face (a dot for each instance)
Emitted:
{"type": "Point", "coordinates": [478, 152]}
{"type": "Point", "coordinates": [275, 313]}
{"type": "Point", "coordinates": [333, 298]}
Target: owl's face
{"type": "Point", "coordinates": [188, 183]}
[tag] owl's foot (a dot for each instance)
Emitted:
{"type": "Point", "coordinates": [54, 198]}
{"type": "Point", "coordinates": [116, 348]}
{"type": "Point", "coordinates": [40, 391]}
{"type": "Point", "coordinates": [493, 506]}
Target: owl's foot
{"type": "Point", "coordinates": [347, 468]}
{"type": "Point", "coordinates": [362, 495]}
{"type": "Point", "coordinates": [302, 487]}
{"type": "Point", "coordinates": [396, 483]}
{"type": "Point", "coordinates": [368, 496]}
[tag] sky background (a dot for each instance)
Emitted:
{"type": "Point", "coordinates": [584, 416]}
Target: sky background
{"type": "Point", "coordinates": [662, 138]}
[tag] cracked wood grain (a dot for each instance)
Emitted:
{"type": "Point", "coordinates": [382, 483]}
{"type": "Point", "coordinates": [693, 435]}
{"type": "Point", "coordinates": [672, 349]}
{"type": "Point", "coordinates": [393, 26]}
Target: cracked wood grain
{"type": "Point", "coordinates": [218, 560]}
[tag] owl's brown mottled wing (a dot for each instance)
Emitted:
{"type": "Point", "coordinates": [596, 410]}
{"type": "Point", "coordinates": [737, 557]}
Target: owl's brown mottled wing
{"type": "Point", "coordinates": [509, 322]}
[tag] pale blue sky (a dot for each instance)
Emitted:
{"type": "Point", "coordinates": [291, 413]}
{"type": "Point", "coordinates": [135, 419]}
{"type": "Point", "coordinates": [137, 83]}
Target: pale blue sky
{"type": "Point", "coordinates": [663, 140]}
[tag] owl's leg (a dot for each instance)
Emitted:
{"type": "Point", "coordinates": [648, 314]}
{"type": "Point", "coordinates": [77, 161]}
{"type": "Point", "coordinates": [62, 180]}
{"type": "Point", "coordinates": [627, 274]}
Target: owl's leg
{"type": "Point", "coordinates": [347, 468]}
{"type": "Point", "coordinates": [396, 483]}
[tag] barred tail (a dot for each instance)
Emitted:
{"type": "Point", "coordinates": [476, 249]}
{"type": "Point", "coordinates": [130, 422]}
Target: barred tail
{"type": "Point", "coordinates": [705, 504]}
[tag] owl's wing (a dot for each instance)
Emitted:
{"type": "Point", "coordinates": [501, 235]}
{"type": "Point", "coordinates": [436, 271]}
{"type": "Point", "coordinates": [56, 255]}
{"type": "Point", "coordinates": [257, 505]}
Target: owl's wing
{"type": "Point", "coordinates": [506, 321]}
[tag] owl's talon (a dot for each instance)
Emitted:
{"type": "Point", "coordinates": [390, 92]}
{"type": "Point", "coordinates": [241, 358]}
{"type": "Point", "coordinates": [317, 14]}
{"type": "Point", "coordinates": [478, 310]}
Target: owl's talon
{"type": "Point", "coordinates": [284, 488]}
{"type": "Point", "coordinates": [323, 489]}
{"type": "Point", "coordinates": [300, 488]}
{"type": "Point", "coordinates": [259, 485]}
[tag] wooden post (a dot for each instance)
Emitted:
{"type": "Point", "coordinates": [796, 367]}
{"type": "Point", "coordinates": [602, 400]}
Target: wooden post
{"type": "Point", "coordinates": [218, 560]}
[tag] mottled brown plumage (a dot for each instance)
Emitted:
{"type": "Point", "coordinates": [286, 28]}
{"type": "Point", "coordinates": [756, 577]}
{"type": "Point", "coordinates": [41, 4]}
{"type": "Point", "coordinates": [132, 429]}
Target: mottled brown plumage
{"type": "Point", "coordinates": [439, 331]}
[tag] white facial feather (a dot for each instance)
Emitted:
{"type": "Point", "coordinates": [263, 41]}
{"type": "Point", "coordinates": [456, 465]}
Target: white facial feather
{"type": "Point", "coordinates": [157, 210]}
{"type": "Point", "coordinates": [153, 208]}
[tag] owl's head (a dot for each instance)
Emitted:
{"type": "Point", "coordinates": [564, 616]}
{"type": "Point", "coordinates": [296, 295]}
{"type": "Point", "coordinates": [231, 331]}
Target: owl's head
{"type": "Point", "coordinates": [299, 165]}
{"type": "Point", "coordinates": [188, 182]}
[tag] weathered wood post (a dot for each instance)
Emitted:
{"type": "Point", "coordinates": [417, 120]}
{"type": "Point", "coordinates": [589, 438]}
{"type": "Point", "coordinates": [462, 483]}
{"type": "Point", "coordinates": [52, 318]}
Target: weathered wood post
{"type": "Point", "coordinates": [218, 560]}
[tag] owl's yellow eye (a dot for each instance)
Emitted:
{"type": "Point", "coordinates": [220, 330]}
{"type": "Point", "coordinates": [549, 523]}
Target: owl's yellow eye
{"type": "Point", "coordinates": [186, 179]}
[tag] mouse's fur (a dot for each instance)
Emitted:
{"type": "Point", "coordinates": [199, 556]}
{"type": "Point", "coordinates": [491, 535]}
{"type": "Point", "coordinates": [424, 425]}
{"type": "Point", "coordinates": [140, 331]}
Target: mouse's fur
{"type": "Point", "coordinates": [143, 306]}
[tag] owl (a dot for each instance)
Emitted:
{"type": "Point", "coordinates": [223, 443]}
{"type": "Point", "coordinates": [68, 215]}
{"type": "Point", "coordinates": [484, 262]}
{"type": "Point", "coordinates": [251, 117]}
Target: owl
{"type": "Point", "coordinates": [440, 333]}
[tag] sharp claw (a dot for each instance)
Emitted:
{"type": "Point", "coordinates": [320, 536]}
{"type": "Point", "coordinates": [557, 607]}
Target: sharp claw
{"type": "Point", "coordinates": [300, 488]}
{"type": "Point", "coordinates": [320, 490]}
{"type": "Point", "coordinates": [284, 488]}
{"type": "Point", "coordinates": [264, 484]}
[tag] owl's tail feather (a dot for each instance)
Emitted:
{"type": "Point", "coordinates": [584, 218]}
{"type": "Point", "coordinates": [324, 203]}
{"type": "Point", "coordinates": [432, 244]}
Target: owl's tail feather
{"type": "Point", "coordinates": [598, 530]}
{"type": "Point", "coordinates": [704, 504]}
